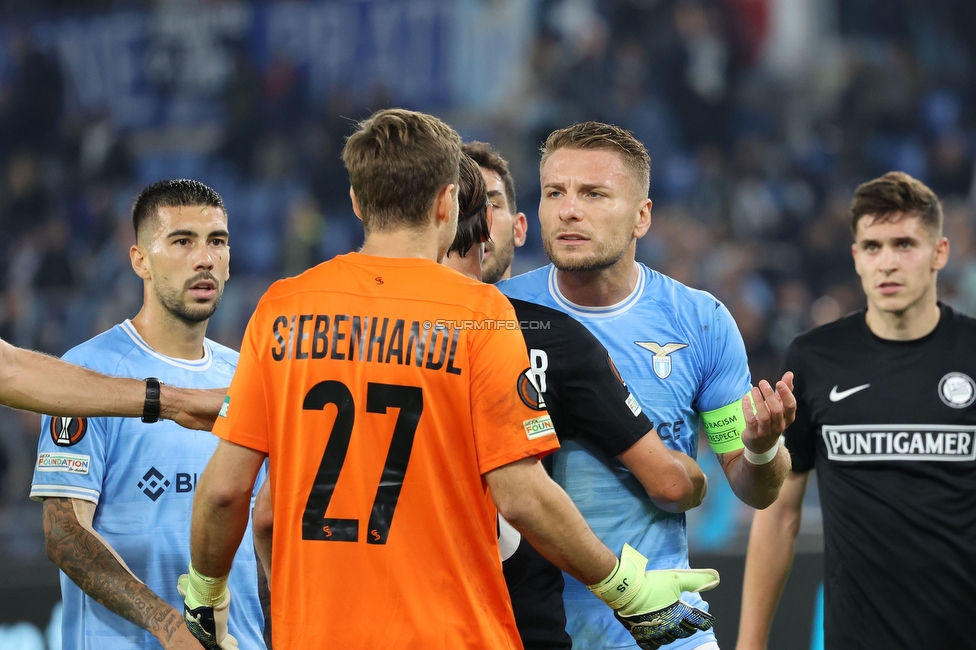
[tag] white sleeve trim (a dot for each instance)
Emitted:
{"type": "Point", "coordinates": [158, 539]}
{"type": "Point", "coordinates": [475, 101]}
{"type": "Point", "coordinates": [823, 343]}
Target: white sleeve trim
{"type": "Point", "coordinates": [40, 492]}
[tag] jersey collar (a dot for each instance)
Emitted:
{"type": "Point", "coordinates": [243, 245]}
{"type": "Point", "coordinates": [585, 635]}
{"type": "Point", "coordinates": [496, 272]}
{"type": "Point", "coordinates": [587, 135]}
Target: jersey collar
{"type": "Point", "coordinates": [596, 312]}
{"type": "Point", "coordinates": [184, 364]}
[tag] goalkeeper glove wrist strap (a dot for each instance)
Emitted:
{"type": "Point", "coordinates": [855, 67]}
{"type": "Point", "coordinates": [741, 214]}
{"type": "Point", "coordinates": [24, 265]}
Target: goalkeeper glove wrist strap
{"type": "Point", "coordinates": [624, 582]}
{"type": "Point", "coordinates": [203, 590]}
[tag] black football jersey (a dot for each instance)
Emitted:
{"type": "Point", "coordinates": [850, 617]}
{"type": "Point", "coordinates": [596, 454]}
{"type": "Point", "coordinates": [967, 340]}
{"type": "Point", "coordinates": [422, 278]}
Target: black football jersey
{"type": "Point", "coordinates": [572, 376]}
{"type": "Point", "coordinates": [890, 427]}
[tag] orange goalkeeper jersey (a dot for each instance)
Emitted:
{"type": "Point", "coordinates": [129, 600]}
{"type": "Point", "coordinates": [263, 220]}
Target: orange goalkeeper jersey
{"type": "Point", "coordinates": [382, 390]}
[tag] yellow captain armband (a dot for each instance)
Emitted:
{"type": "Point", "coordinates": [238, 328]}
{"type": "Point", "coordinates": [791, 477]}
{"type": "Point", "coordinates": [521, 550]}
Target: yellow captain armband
{"type": "Point", "coordinates": [724, 427]}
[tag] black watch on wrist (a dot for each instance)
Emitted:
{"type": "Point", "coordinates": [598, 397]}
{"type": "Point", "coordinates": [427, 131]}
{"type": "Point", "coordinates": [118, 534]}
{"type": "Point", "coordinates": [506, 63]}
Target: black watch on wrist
{"type": "Point", "coordinates": [151, 409]}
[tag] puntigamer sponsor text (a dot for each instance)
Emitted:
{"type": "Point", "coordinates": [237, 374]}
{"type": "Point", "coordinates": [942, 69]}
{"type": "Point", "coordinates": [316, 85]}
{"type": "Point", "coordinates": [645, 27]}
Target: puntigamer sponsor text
{"type": "Point", "coordinates": [899, 442]}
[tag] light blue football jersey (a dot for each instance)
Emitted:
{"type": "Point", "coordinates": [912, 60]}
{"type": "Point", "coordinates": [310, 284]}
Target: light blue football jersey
{"type": "Point", "coordinates": [142, 478]}
{"type": "Point", "coordinates": [680, 353]}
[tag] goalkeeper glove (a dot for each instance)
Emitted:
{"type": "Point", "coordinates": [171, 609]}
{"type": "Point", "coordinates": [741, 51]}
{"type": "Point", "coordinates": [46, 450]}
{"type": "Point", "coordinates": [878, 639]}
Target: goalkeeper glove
{"type": "Point", "coordinates": [206, 605]}
{"type": "Point", "coordinates": [649, 603]}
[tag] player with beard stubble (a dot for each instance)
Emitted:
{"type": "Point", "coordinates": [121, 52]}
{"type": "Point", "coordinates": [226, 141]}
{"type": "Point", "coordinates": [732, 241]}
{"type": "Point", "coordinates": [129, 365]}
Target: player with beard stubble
{"type": "Point", "coordinates": [117, 494]}
{"type": "Point", "coordinates": [677, 348]}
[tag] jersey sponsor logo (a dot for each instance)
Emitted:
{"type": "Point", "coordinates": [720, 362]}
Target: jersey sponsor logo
{"type": "Point", "coordinates": [68, 431]}
{"type": "Point", "coordinates": [538, 427]}
{"type": "Point", "coordinates": [532, 382]}
{"type": "Point", "coordinates": [668, 430]}
{"type": "Point", "coordinates": [957, 390]}
{"type": "Point", "coordinates": [153, 483]}
{"type": "Point", "coordinates": [224, 407]}
{"type": "Point", "coordinates": [836, 395]}
{"type": "Point", "coordinates": [886, 442]}
{"type": "Point", "coordinates": [661, 362]}
{"type": "Point", "coordinates": [345, 337]}
{"type": "Point", "coordinates": [71, 463]}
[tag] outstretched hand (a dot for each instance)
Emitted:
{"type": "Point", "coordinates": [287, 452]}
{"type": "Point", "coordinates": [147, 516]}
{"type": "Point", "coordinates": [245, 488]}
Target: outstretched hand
{"type": "Point", "coordinates": [775, 409]}
{"type": "Point", "coordinates": [192, 408]}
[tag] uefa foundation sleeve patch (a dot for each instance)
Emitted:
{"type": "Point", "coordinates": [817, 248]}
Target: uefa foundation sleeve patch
{"type": "Point", "coordinates": [71, 463]}
{"type": "Point", "coordinates": [538, 427]}
{"type": "Point", "coordinates": [224, 407]}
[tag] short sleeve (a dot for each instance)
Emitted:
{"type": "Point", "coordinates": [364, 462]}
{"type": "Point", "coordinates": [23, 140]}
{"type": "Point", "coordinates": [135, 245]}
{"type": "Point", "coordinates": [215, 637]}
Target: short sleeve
{"type": "Point", "coordinates": [799, 436]}
{"type": "Point", "coordinates": [505, 428]}
{"type": "Point", "coordinates": [595, 403]}
{"type": "Point", "coordinates": [245, 418]}
{"type": "Point", "coordinates": [726, 376]}
{"type": "Point", "coordinates": [71, 458]}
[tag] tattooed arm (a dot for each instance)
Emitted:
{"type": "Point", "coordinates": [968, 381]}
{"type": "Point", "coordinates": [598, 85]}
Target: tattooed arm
{"type": "Point", "coordinates": [97, 569]}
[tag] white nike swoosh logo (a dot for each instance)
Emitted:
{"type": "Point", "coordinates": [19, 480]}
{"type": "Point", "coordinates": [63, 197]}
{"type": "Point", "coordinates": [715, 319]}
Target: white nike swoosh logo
{"type": "Point", "coordinates": [836, 396]}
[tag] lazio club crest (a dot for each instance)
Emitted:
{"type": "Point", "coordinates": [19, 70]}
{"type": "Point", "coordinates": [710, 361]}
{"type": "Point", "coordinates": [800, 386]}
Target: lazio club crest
{"type": "Point", "coordinates": [661, 362]}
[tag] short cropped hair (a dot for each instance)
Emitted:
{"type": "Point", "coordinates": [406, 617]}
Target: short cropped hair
{"type": "Point", "coordinates": [885, 197]}
{"type": "Point", "coordinates": [472, 207]}
{"type": "Point", "coordinates": [597, 135]}
{"type": "Point", "coordinates": [171, 194]}
{"type": "Point", "coordinates": [398, 160]}
{"type": "Point", "coordinates": [486, 156]}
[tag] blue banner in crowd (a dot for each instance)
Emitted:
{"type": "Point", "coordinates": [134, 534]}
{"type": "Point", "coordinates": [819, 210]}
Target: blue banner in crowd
{"type": "Point", "coordinates": [166, 66]}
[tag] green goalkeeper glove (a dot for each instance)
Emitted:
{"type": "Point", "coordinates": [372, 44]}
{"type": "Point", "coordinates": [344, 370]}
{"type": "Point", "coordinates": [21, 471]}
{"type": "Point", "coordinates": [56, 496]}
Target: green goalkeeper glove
{"type": "Point", "coordinates": [649, 603]}
{"type": "Point", "coordinates": [206, 605]}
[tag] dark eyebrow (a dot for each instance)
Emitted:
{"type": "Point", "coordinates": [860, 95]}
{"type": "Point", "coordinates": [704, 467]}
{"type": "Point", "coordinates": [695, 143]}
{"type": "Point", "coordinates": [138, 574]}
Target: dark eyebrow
{"type": "Point", "coordinates": [494, 193]}
{"type": "Point", "coordinates": [181, 233]}
{"type": "Point", "coordinates": [191, 233]}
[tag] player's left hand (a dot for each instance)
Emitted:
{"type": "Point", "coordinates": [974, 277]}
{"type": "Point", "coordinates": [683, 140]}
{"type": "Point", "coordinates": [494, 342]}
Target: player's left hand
{"type": "Point", "coordinates": [775, 409]}
{"type": "Point", "coordinates": [648, 603]}
{"type": "Point", "coordinates": [208, 624]}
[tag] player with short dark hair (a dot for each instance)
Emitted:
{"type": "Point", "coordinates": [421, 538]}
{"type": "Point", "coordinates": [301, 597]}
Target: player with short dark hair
{"type": "Point", "coordinates": [36, 382]}
{"type": "Point", "coordinates": [176, 193]}
{"type": "Point", "coordinates": [886, 415]}
{"type": "Point", "coordinates": [118, 494]}
{"type": "Point", "coordinates": [386, 413]}
{"type": "Point", "coordinates": [677, 348]}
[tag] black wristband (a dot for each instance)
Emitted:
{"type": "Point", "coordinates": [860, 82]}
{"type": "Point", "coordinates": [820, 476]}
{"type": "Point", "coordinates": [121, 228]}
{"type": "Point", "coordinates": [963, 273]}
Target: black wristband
{"type": "Point", "coordinates": [151, 409]}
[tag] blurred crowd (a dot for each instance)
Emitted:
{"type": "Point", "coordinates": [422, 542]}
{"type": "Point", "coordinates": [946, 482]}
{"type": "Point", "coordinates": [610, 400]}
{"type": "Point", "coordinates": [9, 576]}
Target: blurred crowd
{"type": "Point", "coordinates": [760, 116]}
